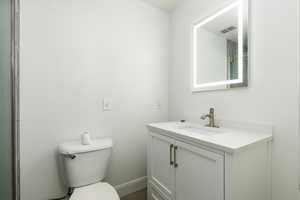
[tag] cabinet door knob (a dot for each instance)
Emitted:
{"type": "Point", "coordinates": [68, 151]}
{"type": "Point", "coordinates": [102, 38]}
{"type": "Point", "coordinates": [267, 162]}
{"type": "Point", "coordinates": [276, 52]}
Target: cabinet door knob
{"type": "Point", "coordinates": [171, 156]}
{"type": "Point", "coordinates": [175, 157]}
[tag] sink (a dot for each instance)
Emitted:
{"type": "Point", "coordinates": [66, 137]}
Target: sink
{"type": "Point", "coordinates": [203, 130]}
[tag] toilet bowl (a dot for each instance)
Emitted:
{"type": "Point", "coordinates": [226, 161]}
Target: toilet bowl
{"type": "Point", "coordinates": [97, 191]}
{"type": "Point", "coordinates": [84, 168]}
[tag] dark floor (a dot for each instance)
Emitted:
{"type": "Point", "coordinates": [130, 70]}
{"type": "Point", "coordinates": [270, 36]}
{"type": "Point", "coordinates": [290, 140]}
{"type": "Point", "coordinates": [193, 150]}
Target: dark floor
{"type": "Point", "coordinates": [140, 195]}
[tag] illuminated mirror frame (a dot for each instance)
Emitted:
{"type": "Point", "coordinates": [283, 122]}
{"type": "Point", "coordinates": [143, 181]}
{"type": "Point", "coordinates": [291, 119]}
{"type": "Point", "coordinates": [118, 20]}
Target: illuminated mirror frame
{"type": "Point", "coordinates": [216, 85]}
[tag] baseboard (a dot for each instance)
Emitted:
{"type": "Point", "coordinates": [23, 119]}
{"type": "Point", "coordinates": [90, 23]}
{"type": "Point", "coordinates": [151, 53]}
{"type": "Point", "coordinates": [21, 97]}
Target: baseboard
{"type": "Point", "coordinates": [131, 186]}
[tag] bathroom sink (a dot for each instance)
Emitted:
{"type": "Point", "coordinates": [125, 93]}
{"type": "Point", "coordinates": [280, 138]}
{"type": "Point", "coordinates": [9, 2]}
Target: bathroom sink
{"type": "Point", "coordinates": [203, 130]}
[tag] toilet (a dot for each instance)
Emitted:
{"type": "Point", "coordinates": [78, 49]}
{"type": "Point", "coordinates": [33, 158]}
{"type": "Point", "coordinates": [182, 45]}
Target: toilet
{"type": "Point", "coordinates": [84, 168]}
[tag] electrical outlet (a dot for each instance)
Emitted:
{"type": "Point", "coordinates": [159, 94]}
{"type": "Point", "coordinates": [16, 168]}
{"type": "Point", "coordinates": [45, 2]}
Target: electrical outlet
{"type": "Point", "coordinates": [158, 105]}
{"type": "Point", "coordinates": [107, 106]}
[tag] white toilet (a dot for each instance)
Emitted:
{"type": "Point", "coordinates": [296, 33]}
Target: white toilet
{"type": "Point", "coordinates": [85, 167]}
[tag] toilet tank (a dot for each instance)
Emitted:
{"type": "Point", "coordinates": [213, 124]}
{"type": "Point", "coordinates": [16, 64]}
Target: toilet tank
{"type": "Point", "coordinates": [85, 164]}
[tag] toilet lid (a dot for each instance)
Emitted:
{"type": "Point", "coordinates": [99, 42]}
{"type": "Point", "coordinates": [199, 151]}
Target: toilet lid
{"type": "Point", "coordinates": [98, 191]}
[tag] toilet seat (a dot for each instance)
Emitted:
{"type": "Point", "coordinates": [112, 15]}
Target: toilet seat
{"type": "Point", "coordinates": [97, 191]}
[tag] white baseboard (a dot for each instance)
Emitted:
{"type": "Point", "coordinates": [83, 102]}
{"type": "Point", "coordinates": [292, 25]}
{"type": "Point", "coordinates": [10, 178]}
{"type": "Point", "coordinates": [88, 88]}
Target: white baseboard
{"type": "Point", "coordinates": [131, 186]}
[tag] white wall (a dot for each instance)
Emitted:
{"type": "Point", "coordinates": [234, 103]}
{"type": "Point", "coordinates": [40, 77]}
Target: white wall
{"type": "Point", "coordinates": [212, 57]}
{"type": "Point", "coordinates": [273, 94]}
{"type": "Point", "coordinates": [73, 54]}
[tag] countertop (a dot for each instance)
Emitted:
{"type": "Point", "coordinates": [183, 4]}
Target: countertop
{"type": "Point", "coordinates": [228, 139]}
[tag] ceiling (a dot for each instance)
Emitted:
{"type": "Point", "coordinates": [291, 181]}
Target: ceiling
{"type": "Point", "coordinates": [167, 5]}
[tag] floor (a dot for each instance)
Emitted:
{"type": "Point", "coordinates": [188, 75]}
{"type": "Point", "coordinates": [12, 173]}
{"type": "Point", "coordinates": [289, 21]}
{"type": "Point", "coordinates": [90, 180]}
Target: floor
{"type": "Point", "coordinates": [140, 195]}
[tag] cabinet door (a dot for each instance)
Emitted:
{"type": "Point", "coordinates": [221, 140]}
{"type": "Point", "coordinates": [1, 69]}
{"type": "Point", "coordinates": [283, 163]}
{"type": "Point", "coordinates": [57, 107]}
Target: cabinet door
{"type": "Point", "coordinates": [157, 195]}
{"type": "Point", "coordinates": [199, 173]}
{"type": "Point", "coordinates": [161, 169]}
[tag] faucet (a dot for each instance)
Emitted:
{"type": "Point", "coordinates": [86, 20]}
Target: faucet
{"type": "Point", "coordinates": [211, 117]}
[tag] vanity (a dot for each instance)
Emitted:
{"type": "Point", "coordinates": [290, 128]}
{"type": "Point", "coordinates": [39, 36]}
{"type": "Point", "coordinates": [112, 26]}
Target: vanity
{"type": "Point", "coordinates": [188, 161]}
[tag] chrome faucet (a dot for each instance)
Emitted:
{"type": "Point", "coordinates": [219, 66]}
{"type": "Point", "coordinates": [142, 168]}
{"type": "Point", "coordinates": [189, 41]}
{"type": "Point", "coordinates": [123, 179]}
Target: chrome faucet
{"type": "Point", "coordinates": [211, 117]}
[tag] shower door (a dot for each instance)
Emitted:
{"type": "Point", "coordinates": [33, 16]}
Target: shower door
{"type": "Point", "coordinates": [7, 139]}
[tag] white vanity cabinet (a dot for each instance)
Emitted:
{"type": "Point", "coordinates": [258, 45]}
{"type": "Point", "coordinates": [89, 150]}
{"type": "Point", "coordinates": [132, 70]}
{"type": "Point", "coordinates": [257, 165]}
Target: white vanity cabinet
{"type": "Point", "coordinates": [181, 171]}
{"type": "Point", "coordinates": [199, 173]}
{"type": "Point", "coordinates": [162, 171]}
{"type": "Point", "coordinates": [184, 169]}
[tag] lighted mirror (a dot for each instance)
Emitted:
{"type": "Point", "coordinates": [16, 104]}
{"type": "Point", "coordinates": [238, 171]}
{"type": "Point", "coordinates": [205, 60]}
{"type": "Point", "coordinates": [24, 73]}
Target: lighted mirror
{"type": "Point", "coordinates": [220, 49]}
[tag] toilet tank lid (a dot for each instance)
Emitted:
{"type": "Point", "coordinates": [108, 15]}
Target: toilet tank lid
{"type": "Point", "coordinates": [76, 146]}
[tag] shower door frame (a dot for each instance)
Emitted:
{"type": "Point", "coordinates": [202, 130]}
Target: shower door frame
{"type": "Point", "coordinates": [14, 73]}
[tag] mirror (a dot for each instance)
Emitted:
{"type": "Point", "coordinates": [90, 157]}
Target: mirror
{"type": "Point", "coordinates": [220, 49]}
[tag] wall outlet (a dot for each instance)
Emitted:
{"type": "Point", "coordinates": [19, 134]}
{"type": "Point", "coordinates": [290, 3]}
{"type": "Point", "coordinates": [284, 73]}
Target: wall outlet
{"type": "Point", "coordinates": [158, 105]}
{"type": "Point", "coordinates": [107, 106]}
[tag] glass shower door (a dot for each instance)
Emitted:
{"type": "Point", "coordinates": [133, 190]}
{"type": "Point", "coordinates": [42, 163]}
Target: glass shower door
{"type": "Point", "coordinates": [6, 142]}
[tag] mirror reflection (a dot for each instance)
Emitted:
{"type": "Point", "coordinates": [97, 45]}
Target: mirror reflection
{"type": "Point", "coordinates": [220, 49]}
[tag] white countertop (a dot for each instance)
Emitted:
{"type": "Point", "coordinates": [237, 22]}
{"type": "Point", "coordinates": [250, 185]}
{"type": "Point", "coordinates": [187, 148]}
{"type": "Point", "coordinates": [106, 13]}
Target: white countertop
{"type": "Point", "coordinates": [225, 139]}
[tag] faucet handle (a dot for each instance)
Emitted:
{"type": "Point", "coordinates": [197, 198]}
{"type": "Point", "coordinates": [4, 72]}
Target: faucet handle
{"type": "Point", "coordinates": [204, 116]}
